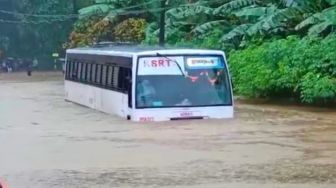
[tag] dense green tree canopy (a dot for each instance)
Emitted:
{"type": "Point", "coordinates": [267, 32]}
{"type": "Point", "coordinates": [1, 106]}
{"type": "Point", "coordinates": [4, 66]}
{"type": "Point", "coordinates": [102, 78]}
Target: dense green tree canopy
{"type": "Point", "coordinates": [234, 22]}
{"type": "Point", "coordinates": [239, 21]}
{"type": "Point", "coordinates": [36, 27]}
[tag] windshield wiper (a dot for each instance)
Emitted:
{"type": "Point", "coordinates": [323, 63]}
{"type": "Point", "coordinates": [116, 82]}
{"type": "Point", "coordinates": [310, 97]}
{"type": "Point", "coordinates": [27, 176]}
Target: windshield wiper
{"type": "Point", "coordinates": [178, 65]}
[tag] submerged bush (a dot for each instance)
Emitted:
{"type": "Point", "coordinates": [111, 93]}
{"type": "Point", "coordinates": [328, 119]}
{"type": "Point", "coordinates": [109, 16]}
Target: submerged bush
{"type": "Point", "coordinates": [301, 68]}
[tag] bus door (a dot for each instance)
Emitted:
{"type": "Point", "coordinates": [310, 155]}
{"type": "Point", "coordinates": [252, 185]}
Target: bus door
{"type": "Point", "coordinates": [126, 75]}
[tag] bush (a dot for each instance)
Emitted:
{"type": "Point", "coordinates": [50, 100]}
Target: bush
{"type": "Point", "coordinates": [318, 89]}
{"type": "Point", "coordinates": [131, 30]}
{"type": "Point", "coordinates": [89, 31]}
{"type": "Point", "coordinates": [301, 68]}
{"type": "Point", "coordinates": [95, 29]}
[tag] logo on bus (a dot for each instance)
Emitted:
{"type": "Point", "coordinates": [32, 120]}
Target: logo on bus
{"type": "Point", "coordinates": [160, 66]}
{"type": "Point", "coordinates": [157, 63]}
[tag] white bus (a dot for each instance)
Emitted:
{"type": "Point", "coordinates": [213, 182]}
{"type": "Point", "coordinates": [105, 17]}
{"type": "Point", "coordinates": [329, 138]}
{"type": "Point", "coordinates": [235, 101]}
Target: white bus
{"type": "Point", "coordinates": [150, 84]}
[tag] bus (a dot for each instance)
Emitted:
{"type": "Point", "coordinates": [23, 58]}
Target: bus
{"type": "Point", "coordinates": [150, 83]}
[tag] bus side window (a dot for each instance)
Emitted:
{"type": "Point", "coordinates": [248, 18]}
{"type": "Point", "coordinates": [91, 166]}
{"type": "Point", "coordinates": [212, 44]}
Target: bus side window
{"type": "Point", "coordinates": [101, 75]}
{"type": "Point", "coordinates": [74, 71]}
{"type": "Point", "coordinates": [83, 72]}
{"type": "Point", "coordinates": [121, 78]}
{"type": "Point", "coordinates": [110, 77]}
{"type": "Point", "coordinates": [88, 73]}
{"type": "Point", "coordinates": [98, 74]}
{"type": "Point", "coordinates": [115, 77]}
{"type": "Point", "coordinates": [68, 69]}
{"type": "Point", "coordinates": [93, 73]}
{"type": "Point", "coordinates": [79, 70]}
{"type": "Point", "coordinates": [104, 75]}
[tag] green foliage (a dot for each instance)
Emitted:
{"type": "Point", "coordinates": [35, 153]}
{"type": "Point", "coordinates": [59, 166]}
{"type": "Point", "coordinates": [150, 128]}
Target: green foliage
{"type": "Point", "coordinates": [94, 10]}
{"type": "Point", "coordinates": [208, 41]}
{"type": "Point", "coordinates": [239, 20]}
{"type": "Point", "coordinates": [291, 67]}
{"type": "Point", "coordinates": [319, 22]}
{"type": "Point", "coordinates": [246, 19]}
{"type": "Point", "coordinates": [266, 63]}
{"type": "Point", "coordinates": [151, 37]}
{"type": "Point", "coordinates": [112, 10]}
{"type": "Point", "coordinates": [187, 11]}
{"type": "Point", "coordinates": [206, 27]}
{"type": "Point", "coordinates": [318, 89]}
{"type": "Point", "coordinates": [236, 32]}
{"type": "Point", "coordinates": [233, 5]}
{"type": "Point", "coordinates": [255, 11]}
{"type": "Point", "coordinates": [31, 35]}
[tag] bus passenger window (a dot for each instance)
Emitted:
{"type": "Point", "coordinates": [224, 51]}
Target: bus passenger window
{"type": "Point", "coordinates": [121, 78]}
{"type": "Point", "coordinates": [79, 70]}
{"type": "Point", "coordinates": [110, 76]}
{"type": "Point", "coordinates": [88, 72]}
{"type": "Point", "coordinates": [68, 71]}
{"type": "Point", "coordinates": [93, 71]}
{"type": "Point", "coordinates": [98, 74]}
{"type": "Point", "coordinates": [115, 77]}
{"type": "Point", "coordinates": [74, 71]}
{"type": "Point", "coordinates": [103, 75]}
{"type": "Point", "coordinates": [128, 78]}
{"type": "Point", "coordinates": [83, 72]}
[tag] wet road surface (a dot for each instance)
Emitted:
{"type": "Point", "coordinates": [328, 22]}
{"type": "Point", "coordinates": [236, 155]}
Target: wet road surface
{"type": "Point", "coordinates": [46, 142]}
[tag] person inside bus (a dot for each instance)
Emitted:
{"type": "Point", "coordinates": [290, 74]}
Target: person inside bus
{"type": "Point", "coordinates": [183, 94]}
{"type": "Point", "coordinates": [208, 85]}
{"type": "Point", "coordinates": [146, 93]}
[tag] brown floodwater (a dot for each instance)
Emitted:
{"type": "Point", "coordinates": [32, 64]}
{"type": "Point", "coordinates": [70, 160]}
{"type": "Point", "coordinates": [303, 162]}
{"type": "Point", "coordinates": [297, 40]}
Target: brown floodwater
{"type": "Point", "coordinates": [46, 142]}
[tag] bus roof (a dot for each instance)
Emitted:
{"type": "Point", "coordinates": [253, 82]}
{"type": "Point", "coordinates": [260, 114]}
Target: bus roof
{"type": "Point", "coordinates": [130, 50]}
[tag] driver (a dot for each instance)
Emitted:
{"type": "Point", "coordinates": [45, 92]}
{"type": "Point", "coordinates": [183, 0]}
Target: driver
{"type": "Point", "coordinates": [146, 93]}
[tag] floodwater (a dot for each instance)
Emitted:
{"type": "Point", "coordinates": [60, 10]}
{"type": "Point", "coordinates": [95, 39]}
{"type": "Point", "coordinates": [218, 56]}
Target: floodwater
{"type": "Point", "coordinates": [46, 142]}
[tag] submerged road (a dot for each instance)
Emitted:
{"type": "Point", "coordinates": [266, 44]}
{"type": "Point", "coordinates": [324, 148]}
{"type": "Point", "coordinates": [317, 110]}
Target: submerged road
{"type": "Point", "coordinates": [46, 142]}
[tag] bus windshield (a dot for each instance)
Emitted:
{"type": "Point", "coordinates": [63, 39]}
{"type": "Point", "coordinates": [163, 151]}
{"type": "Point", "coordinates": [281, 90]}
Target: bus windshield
{"type": "Point", "coordinates": [203, 81]}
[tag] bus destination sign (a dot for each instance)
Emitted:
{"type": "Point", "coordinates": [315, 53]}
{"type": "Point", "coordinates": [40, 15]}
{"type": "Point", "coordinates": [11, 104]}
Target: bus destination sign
{"type": "Point", "coordinates": [204, 62]}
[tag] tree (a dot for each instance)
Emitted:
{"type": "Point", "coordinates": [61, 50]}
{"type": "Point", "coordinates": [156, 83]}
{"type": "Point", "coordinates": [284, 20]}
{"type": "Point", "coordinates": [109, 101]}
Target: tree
{"type": "Point", "coordinates": [111, 10]}
{"type": "Point", "coordinates": [239, 20]}
{"type": "Point", "coordinates": [37, 27]}
{"type": "Point", "coordinates": [242, 20]}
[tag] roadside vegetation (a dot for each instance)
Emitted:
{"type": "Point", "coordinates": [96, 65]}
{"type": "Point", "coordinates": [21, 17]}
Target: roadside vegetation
{"type": "Point", "coordinates": [301, 69]}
